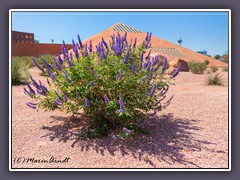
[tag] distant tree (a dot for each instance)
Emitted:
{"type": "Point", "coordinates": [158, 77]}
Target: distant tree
{"type": "Point", "coordinates": [206, 62]}
{"type": "Point", "coordinates": [225, 58]}
{"type": "Point", "coordinates": [217, 56]}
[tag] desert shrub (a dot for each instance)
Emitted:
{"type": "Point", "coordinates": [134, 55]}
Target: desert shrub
{"type": "Point", "coordinates": [214, 69]}
{"type": "Point", "coordinates": [214, 80]}
{"type": "Point", "coordinates": [206, 62]}
{"type": "Point", "coordinates": [25, 60]}
{"type": "Point", "coordinates": [197, 68]}
{"type": "Point", "coordinates": [19, 72]}
{"type": "Point", "coordinates": [225, 69]}
{"type": "Point", "coordinates": [217, 56]}
{"type": "Point", "coordinates": [117, 85]}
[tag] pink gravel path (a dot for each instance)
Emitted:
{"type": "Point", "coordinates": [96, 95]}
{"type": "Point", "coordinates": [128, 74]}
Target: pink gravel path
{"type": "Point", "coordinates": [191, 133]}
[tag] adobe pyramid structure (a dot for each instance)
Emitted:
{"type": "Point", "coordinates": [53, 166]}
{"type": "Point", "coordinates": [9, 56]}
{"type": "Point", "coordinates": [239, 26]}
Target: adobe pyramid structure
{"type": "Point", "coordinates": [173, 52]}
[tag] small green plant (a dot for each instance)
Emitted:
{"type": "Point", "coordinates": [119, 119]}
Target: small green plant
{"type": "Point", "coordinates": [19, 72]}
{"type": "Point", "coordinates": [214, 80]}
{"type": "Point", "coordinates": [206, 62]}
{"type": "Point", "coordinates": [217, 56]}
{"type": "Point", "coordinates": [117, 85]}
{"type": "Point", "coordinates": [197, 68]}
{"type": "Point", "coordinates": [25, 60]}
{"type": "Point", "coordinates": [225, 69]}
{"type": "Point", "coordinates": [214, 69]}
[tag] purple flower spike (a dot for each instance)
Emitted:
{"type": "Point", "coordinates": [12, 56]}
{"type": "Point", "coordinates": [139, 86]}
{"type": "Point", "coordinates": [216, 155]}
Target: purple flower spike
{"type": "Point", "coordinates": [38, 65]}
{"type": "Point", "coordinates": [34, 82]}
{"type": "Point", "coordinates": [64, 44]}
{"type": "Point", "coordinates": [57, 95]}
{"type": "Point", "coordinates": [90, 46]}
{"type": "Point", "coordinates": [76, 52]}
{"type": "Point", "coordinates": [115, 138]}
{"type": "Point", "coordinates": [159, 108]}
{"type": "Point", "coordinates": [80, 42]}
{"type": "Point", "coordinates": [154, 113]}
{"type": "Point", "coordinates": [60, 61]}
{"type": "Point", "coordinates": [149, 65]}
{"type": "Point", "coordinates": [141, 60]}
{"type": "Point", "coordinates": [70, 55]}
{"type": "Point", "coordinates": [63, 51]}
{"type": "Point", "coordinates": [149, 53]}
{"type": "Point", "coordinates": [48, 82]}
{"type": "Point", "coordinates": [164, 66]}
{"type": "Point", "coordinates": [58, 102]}
{"type": "Point", "coordinates": [31, 105]}
{"type": "Point", "coordinates": [91, 83]}
{"type": "Point", "coordinates": [53, 76]}
{"type": "Point", "coordinates": [73, 44]}
{"type": "Point", "coordinates": [56, 65]}
{"type": "Point", "coordinates": [125, 60]}
{"type": "Point", "coordinates": [158, 66]}
{"type": "Point", "coordinates": [65, 96]}
{"type": "Point", "coordinates": [146, 43]}
{"type": "Point", "coordinates": [66, 76]}
{"type": "Point", "coordinates": [177, 71]}
{"type": "Point", "coordinates": [30, 88]}
{"type": "Point", "coordinates": [117, 78]}
{"type": "Point", "coordinates": [135, 41]}
{"type": "Point", "coordinates": [147, 36]}
{"type": "Point", "coordinates": [153, 89]}
{"type": "Point", "coordinates": [48, 66]}
{"type": "Point", "coordinates": [106, 98]}
{"type": "Point", "coordinates": [121, 104]}
{"type": "Point", "coordinates": [127, 131]}
{"type": "Point", "coordinates": [104, 42]}
{"type": "Point", "coordinates": [87, 102]}
{"type": "Point", "coordinates": [41, 92]}
{"type": "Point", "coordinates": [28, 93]}
{"type": "Point", "coordinates": [124, 37]}
{"type": "Point", "coordinates": [133, 69]}
{"type": "Point", "coordinates": [157, 102]}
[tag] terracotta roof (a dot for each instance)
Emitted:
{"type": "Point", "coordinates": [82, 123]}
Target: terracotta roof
{"type": "Point", "coordinates": [158, 46]}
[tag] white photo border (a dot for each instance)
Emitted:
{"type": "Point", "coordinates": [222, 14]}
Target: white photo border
{"type": "Point", "coordinates": [120, 10]}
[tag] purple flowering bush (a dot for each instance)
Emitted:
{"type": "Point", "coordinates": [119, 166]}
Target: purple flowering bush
{"type": "Point", "coordinates": [117, 84]}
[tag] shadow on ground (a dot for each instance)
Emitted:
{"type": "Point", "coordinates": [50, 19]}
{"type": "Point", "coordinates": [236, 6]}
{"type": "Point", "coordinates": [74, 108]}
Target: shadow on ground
{"type": "Point", "coordinates": [168, 140]}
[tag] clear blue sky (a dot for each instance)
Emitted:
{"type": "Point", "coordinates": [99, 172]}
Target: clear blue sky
{"type": "Point", "coordinates": [199, 30]}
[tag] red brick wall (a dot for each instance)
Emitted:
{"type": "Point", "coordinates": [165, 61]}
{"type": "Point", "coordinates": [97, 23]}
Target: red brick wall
{"type": "Point", "coordinates": [29, 49]}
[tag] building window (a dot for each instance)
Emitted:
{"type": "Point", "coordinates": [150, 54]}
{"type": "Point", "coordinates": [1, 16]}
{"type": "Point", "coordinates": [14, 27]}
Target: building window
{"type": "Point", "coordinates": [30, 37]}
{"type": "Point", "coordinates": [26, 36]}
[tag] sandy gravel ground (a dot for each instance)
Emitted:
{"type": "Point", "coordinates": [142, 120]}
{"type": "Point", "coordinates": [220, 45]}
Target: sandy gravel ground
{"type": "Point", "coordinates": [191, 133]}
